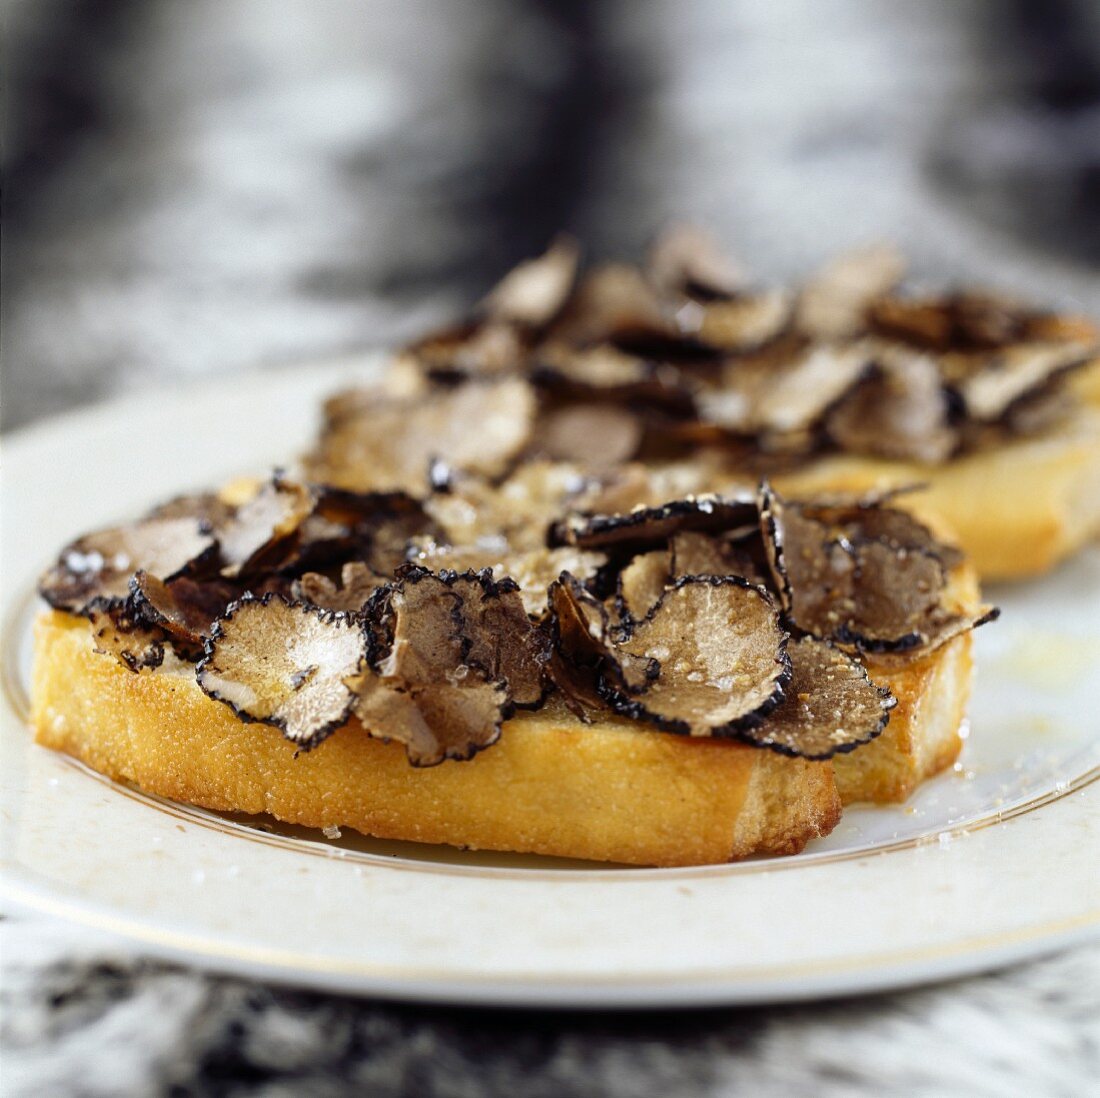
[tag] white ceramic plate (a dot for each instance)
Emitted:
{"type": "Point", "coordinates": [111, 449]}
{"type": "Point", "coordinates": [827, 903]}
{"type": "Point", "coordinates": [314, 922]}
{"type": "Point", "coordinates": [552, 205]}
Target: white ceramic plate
{"type": "Point", "coordinates": [990, 863]}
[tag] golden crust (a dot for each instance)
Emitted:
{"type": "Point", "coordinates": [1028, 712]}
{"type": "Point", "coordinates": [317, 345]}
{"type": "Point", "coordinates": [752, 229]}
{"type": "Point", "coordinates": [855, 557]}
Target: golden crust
{"type": "Point", "coordinates": [610, 792]}
{"type": "Point", "coordinates": [1017, 510]}
{"type": "Point", "coordinates": [923, 736]}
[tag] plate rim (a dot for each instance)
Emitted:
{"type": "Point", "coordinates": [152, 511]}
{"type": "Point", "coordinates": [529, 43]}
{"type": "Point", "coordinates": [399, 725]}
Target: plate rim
{"type": "Point", "coordinates": [797, 982]}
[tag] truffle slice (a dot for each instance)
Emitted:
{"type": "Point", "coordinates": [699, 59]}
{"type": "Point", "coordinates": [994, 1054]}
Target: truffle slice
{"type": "Point", "coordinates": [869, 518]}
{"type": "Point", "coordinates": [648, 526]}
{"type": "Point", "coordinates": [427, 645]}
{"type": "Point", "coordinates": [603, 371]}
{"type": "Point", "coordinates": [357, 583]}
{"type": "Point", "coordinates": [533, 570]}
{"type": "Point", "coordinates": [373, 527]}
{"type": "Point", "coordinates": [594, 436]}
{"type": "Point", "coordinates": [832, 706]}
{"type": "Point", "coordinates": [801, 392]}
{"type": "Point", "coordinates": [97, 567]}
{"type": "Point", "coordinates": [185, 609]}
{"type": "Point", "coordinates": [534, 292]}
{"type": "Point", "coordinates": [1009, 377]}
{"type": "Point", "coordinates": [722, 656]}
{"type": "Point", "coordinates": [694, 554]}
{"type": "Point", "coordinates": [973, 321]}
{"type": "Point", "coordinates": [895, 598]}
{"type": "Point", "coordinates": [435, 721]}
{"type": "Point", "coordinates": [585, 648]}
{"type": "Point", "coordinates": [850, 577]}
{"type": "Point", "coordinates": [500, 638]}
{"type": "Point", "coordinates": [391, 444]}
{"type": "Point", "coordinates": [456, 628]}
{"type": "Point", "coordinates": [742, 323]}
{"type": "Point", "coordinates": [428, 693]}
{"type": "Point", "coordinates": [612, 301]}
{"type": "Point", "coordinates": [478, 349]}
{"type": "Point", "coordinates": [284, 664]}
{"type": "Point", "coordinates": [899, 411]}
{"type": "Point", "coordinates": [208, 507]}
{"type": "Point", "coordinates": [684, 260]}
{"type": "Point", "coordinates": [833, 304]}
{"type": "Point", "coordinates": [117, 632]}
{"type": "Point", "coordinates": [642, 582]}
{"type": "Point", "coordinates": [513, 515]}
{"type": "Point", "coordinates": [261, 526]}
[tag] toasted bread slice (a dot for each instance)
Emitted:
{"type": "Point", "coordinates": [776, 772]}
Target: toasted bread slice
{"type": "Point", "coordinates": [1017, 510]}
{"type": "Point", "coordinates": [924, 735]}
{"type": "Point", "coordinates": [609, 791]}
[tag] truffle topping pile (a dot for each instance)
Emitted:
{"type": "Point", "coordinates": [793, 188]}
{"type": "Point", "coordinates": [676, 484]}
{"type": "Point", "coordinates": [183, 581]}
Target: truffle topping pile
{"type": "Point", "coordinates": [684, 356]}
{"type": "Point", "coordinates": [430, 620]}
{"type": "Point", "coordinates": [525, 506]}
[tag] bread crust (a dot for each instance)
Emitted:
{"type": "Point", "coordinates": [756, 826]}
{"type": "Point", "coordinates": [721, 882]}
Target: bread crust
{"type": "Point", "coordinates": [608, 791]}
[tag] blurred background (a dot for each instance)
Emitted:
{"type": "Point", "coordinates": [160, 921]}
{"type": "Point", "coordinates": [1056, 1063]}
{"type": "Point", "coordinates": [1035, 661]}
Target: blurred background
{"type": "Point", "coordinates": [198, 187]}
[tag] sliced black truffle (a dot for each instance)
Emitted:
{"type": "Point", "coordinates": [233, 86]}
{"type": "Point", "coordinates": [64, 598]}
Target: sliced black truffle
{"type": "Point", "coordinates": [511, 516]}
{"type": "Point", "coordinates": [500, 638]}
{"type": "Point", "coordinates": [684, 260]}
{"type": "Point", "coordinates": [606, 372]}
{"type": "Point", "coordinates": [184, 608]}
{"type": "Point", "coordinates": [721, 652]}
{"type": "Point", "coordinates": [208, 507]}
{"type": "Point", "coordinates": [117, 632]}
{"type": "Point", "coordinates": [376, 528]}
{"type": "Point", "coordinates": [870, 518]}
{"type": "Point", "coordinates": [97, 567]}
{"type": "Point", "coordinates": [1012, 375]}
{"type": "Point", "coordinates": [862, 576]}
{"type": "Point", "coordinates": [973, 321]}
{"type": "Point", "coordinates": [802, 391]}
{"type": "Point", "coordinates": [594, 436]}
{"type": "Point", "coordinates": [895, 599]}
{"type": "Point", "coordinates": [611, 302]}
{"type": "Point", "coordinates": [435, 721]}
{"type": "Point", "coordinates": [427, 644]}
{"type": "Point", "coordinates": [832, 706]}
{"type": "Point", "coordinates": [391, 443]}
{"type": "Point", "coordinates": [428, 692]}
{"type": "Point", "coordinates": [357, 583]}
{"type": "Point", "coordinates": [285, 664]}
{"type": "Point", "coordinates": [586, 649]}
{"type": "Point", "coordinates": [694, 554]}
{"type": "Point", "coordinates": [742, 323]}
{"type": "Point", "coordinates": [834, 303]}
{"type": "Point", "coordinates": [477, 349]}
{"type": "Point", "coordinates": [253, 537]}
{"type": "Point", "coordinates": [533, 293]}
{"type": "Point", "coordinates": [533, 570]}
{"type": "Point", "coordinates": [643, 581]}
{"type": "Point", "coordinates": [649, 526]}
{"type": "Point", "coordinates": [899, 411]}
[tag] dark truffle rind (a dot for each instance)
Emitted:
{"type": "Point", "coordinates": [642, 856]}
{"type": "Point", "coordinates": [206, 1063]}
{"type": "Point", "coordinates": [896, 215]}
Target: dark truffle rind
{"type": "Point", "coordinates": [335, 706]}
{"type": "Point", "coordinates": [823, 715]}
{"type": "Point", "coordinates": [95, 570]}
{"type": "Point", "coordinates": [650, 526]}
{"type": "Point", "coordinates": [186, 609]}
{"type": "Point", "coordinates": [691, 674]}
{"type": "Point", "coordinates": [117, 632]}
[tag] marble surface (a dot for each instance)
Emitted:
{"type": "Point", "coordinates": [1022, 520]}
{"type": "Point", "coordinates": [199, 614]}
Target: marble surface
{"type": "Point", "coordinates": [193, 189]}
{"type": "Point", "coordinates": [84, 1017]}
